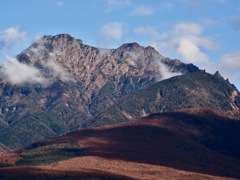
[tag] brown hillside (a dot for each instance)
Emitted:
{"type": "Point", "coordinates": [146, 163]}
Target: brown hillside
{"type": "Point", "coordinates": [183, 143]}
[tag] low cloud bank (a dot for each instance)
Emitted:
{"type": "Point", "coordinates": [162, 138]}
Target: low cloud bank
{"type": "Point", "coordinates": [49, 70]}
{"type": "Point", "coordinates": [19, 73]}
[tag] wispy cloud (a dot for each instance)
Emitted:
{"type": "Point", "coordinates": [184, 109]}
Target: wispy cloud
{"type": "Point", "coordinates": [110, 32]}
{"type": "Point", "coordinates": [47, 71]}
{"type": "Point", "coordinates": [142, 11]}
{"type": "Point", "coordinates": [10, 37]}
{"type": "Point", "coordinates": [165, 72]}
{"type": "Point", "coordinates": [48, 61]}
{"type": "Point", "coordinates": [185, 40]}
{"type": "Point", "coordinates": [19, 73]}
{"type": "Point", "coordinates": [59, 4]}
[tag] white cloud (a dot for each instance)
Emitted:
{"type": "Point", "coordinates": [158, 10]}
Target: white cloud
{"type": "Point", "coordinates": [165, 71]}
{"type": "Point", "coordinates": [185, 40]}
{"type": "Point", "coordinates": [142, 11]}
{"type": "Point", "coordinates": [57, 70]}
{"type": "Point", "coordinates": [191, 28]}
{"type": "Point", "coordinates": [19, 73]}
{"type": "Point", "coordinates": [112, 31]}
{"type": "Point", "coordinates": [59, 4]}
{"type": "Point", "coordinates": [133, 55]}
{"type": "Point", "coordinates": [191, 52]}
{"type": "Point", "coordinates": [10, 37]}
{"type": "Point", "coordinates": [104, 52]}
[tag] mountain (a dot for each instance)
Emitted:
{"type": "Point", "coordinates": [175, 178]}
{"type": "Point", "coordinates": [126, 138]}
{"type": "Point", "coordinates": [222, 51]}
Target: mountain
{"type": "Point", "coordinates": [58, 84]}
{"type": "Point", "coordinates": [198, 89]}
{"type": "Point", "coordinates": [195, 143]}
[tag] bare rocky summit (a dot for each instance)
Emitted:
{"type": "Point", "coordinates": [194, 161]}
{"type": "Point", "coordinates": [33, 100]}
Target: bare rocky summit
{"type": "Point", "coordinates": [58, 83]}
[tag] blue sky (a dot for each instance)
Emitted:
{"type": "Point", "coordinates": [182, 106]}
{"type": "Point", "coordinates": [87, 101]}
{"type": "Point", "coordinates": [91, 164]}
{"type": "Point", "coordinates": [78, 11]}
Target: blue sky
{"type": "Point", "coordinates": [206, 32]}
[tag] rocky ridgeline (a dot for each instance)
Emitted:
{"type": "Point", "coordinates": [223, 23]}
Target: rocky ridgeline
{"type": "Point", "coordinates": [75, 82]}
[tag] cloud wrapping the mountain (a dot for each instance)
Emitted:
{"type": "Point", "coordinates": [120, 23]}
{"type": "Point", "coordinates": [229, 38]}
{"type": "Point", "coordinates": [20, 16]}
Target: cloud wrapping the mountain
{"type": "Point", "coordinates": [10, 37]}
{"type": "Point", "coordinates": [104, 52]}
{"type": "Point", "coordinates": [19, 73]}
{"type": "Point", "coordinates": [133, 55]}
{"type": "Point", "coordinates": [165, 72]}
{"type": "Point", "coordinates": [56, 70]}
{"type": "Point", "coordinates": [49, 62]}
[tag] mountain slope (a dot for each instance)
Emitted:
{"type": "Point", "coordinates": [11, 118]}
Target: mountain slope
{"type": "Point", "coordinates": [198, 89]}
{"type": "Point", "coordinates": [191, 143]}
{"type": "Point", "coordinates": [58, 83]}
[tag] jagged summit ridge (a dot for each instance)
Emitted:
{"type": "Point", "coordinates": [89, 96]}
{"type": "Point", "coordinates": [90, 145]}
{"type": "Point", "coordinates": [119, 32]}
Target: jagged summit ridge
{"type": "Point", "coordinates": [80, 61]}
{"type": "Point", "coordinates": [218, 75]}
{"type": "Point", "coordinates": [63, 83]}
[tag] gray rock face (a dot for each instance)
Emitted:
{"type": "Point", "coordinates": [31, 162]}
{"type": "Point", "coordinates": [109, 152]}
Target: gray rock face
{"type": "Point", "coordinates": [72, 83]}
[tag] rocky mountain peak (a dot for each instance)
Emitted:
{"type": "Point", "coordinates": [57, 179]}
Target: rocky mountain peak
{"type": "Point", "coordinates": [75, 82]}
{"type": "Point", "coordinates": [130, 47]}
{"type": "Point", "coordinates": [218, 75]}
{"type": "Point", "coordinates": [58, 37]}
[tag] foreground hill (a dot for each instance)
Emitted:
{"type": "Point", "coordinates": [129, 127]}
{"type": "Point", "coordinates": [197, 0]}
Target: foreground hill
{"type": "Point", "coordinates": [58, 83]}
{"type": "Point", "coordinates": [198, 89]}
{"type": "Point", "coordinates": [189, 144]}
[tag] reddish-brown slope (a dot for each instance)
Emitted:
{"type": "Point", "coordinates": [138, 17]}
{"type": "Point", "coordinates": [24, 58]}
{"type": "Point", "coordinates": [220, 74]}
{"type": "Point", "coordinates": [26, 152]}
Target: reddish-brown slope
{"type": "Point", "coordinates": [8, 158]}
{"type": "Point", "coordinates": [196, 140]}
